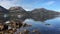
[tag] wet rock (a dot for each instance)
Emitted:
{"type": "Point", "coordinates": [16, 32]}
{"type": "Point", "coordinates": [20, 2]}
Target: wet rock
{"type": "Point", "coordinates": [3, 27]}
{"type": "Point", "coordinates": [19, 25]}
{"type": "Point", "coordinates": [36, 31]}
{"type": "Point", "coordinates": [26, 31]}
{"type": "Point", "coordinates": [2, 32]}
{"type": "Point", "coordinates": [47, 24]}
{"type": "Point", "coordinates": [20, 33]}
{"type": "Point", "coordinates": [26, 25]}
{"type": "Point", "coordinates": [10, 31]}
{"type": "Point", "coordinates": [14, 24]}
{"type": "Point", "coordinates": [29, 25]}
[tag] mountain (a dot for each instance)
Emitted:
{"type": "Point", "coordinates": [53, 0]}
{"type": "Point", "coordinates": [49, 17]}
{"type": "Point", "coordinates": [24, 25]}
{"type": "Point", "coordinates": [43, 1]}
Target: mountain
{"type": "Point", "coordinates": [3, 12]}
{"type": "Point", "coordinates": [40, 14]}
{"type": "Point", "coordinates": [18, 13]}
{"type": "Point", "coordinates": [43, 14]}
{"type": "Point", "coordinates": [16, 9]}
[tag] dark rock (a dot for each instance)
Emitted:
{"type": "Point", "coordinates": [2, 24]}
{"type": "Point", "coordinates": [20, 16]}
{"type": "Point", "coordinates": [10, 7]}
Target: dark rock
{"type": "Point", "coordinates": [10, 31]}
{"type": "Point", "coordinates": [26, 25]}
{"type": "Point", "coordinates": [3, 27]}
{"type": "Point", "coordinates": [47, 24]}
{"type": "Point", "coordinates": [26, 31]}
{"type": "Point", "coordinates": [36, 32]}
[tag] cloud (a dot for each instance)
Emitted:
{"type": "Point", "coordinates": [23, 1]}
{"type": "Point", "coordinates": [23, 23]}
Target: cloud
{"type": "Point", "coordinates": [30, 4]}
{"type": "Point", "coordinates": [9, 3]}
{"type": "Point", "coordinates": [50, 3]}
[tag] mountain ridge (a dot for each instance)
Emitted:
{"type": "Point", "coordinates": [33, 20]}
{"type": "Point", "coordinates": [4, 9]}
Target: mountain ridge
{"type": "Point", "coordinates": [40, 14]}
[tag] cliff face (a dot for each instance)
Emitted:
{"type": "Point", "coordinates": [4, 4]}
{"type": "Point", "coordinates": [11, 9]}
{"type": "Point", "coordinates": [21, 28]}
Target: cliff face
{"type": "Point", "coordinates": [18, 13]}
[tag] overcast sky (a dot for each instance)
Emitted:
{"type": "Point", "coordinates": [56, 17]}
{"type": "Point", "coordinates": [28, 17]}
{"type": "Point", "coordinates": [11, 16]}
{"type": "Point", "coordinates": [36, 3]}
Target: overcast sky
{"type": "Point", "coordinates": [32, 4]}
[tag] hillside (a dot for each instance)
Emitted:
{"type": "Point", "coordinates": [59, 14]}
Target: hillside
{"type": "Point", "coordinates": [18, 13]}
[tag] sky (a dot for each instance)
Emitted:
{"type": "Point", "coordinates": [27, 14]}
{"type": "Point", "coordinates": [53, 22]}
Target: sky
{"type": "Point", "coordinates": [32, 4]}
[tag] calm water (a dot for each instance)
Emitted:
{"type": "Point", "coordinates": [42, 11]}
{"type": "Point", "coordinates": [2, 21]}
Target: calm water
{"type": "Point", "coordinates": [51, 26]}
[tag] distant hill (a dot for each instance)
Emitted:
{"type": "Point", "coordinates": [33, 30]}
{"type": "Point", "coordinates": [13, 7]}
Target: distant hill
{"type": "Point", "coordinates": [43, 14]}
{"type": "Point", "coordinates": [40, 14]}
{"type": "Point", "coordinates": [18, 13]}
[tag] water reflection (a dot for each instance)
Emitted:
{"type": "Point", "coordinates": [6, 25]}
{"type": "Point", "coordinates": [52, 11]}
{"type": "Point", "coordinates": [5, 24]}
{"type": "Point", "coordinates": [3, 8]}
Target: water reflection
{"type": "Point", "coordinates": [51, 26]}
{"type": "Point", "coordinates": [54, 22]}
